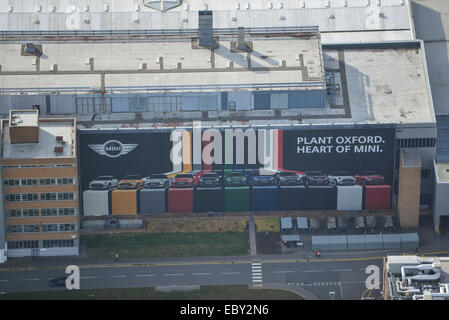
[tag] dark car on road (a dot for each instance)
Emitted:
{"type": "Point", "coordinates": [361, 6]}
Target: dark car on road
{"type": "Point", "coordinates": [58, 282]}
{"type": "Point", "coordinates": [209, 179]}
{"type": "Point", "coordinates": [289, 178]}
{"type": "Point", "coordinates": [316, 178]}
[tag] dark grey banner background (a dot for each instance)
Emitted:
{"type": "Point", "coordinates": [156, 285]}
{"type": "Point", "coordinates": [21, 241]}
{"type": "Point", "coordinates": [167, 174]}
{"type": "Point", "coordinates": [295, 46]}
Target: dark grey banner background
{"type": "Point", "coordinates": [152, 155]}
{"type": "Point", "coordinates": [382, 163]}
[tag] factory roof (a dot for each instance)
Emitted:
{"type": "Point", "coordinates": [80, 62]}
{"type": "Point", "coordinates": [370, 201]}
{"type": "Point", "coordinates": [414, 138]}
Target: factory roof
{"type": "Point", "coordinates": [163, 64]}
{"type": "Point", "coordinates": [366, 20]}
{"type": "Point", "coordinates": [49, 131]}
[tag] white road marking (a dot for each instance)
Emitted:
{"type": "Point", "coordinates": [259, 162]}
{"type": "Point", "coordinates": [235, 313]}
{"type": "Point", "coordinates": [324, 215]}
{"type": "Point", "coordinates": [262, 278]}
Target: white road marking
{"type": "Point", "coordinates": [174, 274]}
{"type": "Point", "coordinates": [144, 275]}
{"type": "Point", "coordinates": [342, 270]}
{"type": "Point", "coordinates": [3, 280]}
{"type": "Point", "coordinates": [230, 273]}
{"type": "Point", "coordinates": [202, 274]}
{"type": "Point", "coordinates": [88, 277]}
{"type": "Point", "coordinates": [312, 270]}
{"type": "Point", "coordinates": [28, 279]}
{"type": "Point", "coordinates": [121, 276]}
{"type": "Point", "coordinates": [255, 280]}
{"type": "Point", "coordinates": [287, 271]}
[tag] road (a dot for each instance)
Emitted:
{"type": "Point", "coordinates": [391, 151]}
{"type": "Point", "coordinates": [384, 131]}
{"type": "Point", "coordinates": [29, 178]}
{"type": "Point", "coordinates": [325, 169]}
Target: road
{"type": "Point", "coordinates": [319, 277]}
{"type": "Point", "coordinates": [336, 275]}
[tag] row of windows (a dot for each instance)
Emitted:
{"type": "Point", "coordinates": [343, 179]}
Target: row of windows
{"type": "Point", "coordinates": [58, 243]}
{"type": "Point", "coordinates": [57, 196]}
{"type": "Point", "coordinates": [24, 166]}
{"type": "Point", "coordinates": [48, 196]}
{"type": "Point", "coordinates": [31, 244]}
{"type": "Point", "coordinates": [18, 213]}
{"type": "Point", "coordinates": [34, 228]}
{"type": "Point", "coordinates": [52, 212]}
{"type": "Point", "coordinates": [21, 197]}
{"type": "Point", "coordinates": [22, 228]}
{"type": "Point", "coordinates": [46, 212]}
{"type": "Point", "coordinates": [58, 227]}
{"type": "Point", "coordinates": [42, 182]}
{"type": "Point", "coordinates": [416, 143]}
{"type": "Point", "coordinates": [26, 244]}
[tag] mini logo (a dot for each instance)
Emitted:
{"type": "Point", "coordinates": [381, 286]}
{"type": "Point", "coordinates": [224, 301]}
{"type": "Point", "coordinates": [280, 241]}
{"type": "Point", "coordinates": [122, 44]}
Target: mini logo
{"type": "Point", "coordinates": [112, 148]}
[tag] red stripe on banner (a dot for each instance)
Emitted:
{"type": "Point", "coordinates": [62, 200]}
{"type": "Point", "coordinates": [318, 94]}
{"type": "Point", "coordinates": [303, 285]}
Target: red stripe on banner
{"type": "Point", "coordinates": [280, 149]}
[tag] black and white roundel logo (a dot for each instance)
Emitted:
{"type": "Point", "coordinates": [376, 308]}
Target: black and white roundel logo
{"type": "Point", "coordinates": [112, 148]}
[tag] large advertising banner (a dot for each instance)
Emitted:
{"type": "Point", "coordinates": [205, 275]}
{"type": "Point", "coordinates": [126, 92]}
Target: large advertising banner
{"type": "Point", "coordinates": [118, 154]}
{"type": "Point", "coordinates": [355, 150]}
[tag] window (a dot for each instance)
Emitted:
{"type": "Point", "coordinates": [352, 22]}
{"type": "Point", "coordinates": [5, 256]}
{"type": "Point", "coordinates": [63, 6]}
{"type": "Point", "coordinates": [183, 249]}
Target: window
{"type": "Point", "coordinates": [13, 213]}
{"type": "Point", "coordinates": [28, 182]}
{"type": "Point", "coordinates": [14, 229]}
{"type": "Point", "coordinates": [11, 182]}
{"type": "Point", "coordinates": [31, 228]}
{"type": "Point", "coordinates": [49, 228]}
{"type": "Point", "coordinates": [29, 197]}
{"type": "Point", "coordinates": [48, 182]}
{"type": "Point", "coordinates": [58, 243]}
{"type": "Point", "coordinates": [53, 212]}
{"type": "Point", "coordinates": [26, 244]}
{"type": "Point", "coordinates": [92, 104]}
{"type": "Point", "coordinates": [49, 212]}
{"type": "Point", "coordinates": [67, 227]}
{"type": "Point", "coordinates": [63, 181]}
{"type": "Point", "coordinates": [30, 212]}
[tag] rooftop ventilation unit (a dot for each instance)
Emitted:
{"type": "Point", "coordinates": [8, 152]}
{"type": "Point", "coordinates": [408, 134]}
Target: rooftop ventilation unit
{"type": "Point", "coordinates": [31, 49]}
{"type": "Point", "coordinates": [241, 45]}
{"type": "Point", "coordinates": [205, 30]}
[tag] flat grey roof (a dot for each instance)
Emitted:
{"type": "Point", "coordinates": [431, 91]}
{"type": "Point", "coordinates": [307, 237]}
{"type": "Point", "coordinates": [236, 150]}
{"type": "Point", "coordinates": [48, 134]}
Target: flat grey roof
{"type": "Point", "coordinates": [358, 21]}
{"type": "Point", "coordinates": [442, 171]}
{"type": "Point", "coordinates": [170, 63]}
{"type": "Point", "coordinates": [290, 237]}
{"type": "Point", "coordinates": [302, 223]}
{"type": "Point", "coordinates": [430, 20]}
{"type": "Point", "coordinates": [286, 223]}
{"type": "Point", "coordinates": [48, 131]}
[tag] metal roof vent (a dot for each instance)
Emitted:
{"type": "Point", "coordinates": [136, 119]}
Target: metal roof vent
{"type": "Point", "coordinates": [241, 45]}
{"type": "Point", "coordinates": [205, 30]}
{"type": "Point", "coordinates": [31, 49]}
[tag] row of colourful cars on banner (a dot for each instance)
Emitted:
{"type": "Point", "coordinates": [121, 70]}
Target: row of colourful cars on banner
{"type": "Point", "coordinates": [235, 191]}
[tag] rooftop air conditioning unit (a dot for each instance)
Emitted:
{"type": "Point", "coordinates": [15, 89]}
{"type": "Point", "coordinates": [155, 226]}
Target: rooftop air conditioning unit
{"type": "Point", "coordinates": [59, 149]}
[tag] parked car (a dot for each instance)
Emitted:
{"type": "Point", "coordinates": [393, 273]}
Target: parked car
{"type": "Point", "coordinates": [58, 282]}
{"type": "Point", "coordinates": [131, 181]}
{"type": "Point", "coordinates": [331, 224]}
{"type": "Point", "coordinates": [369, 178]}
{"type": "Point", "coordinates": [156, 181]}
{"type": "Point", "coordinates": [209, 179]}
{"type": "Point", "coordinates": [289, 178]}
{"type": "Point", "coordinates": [341, 178]}
{"type": "Point", "coordinates": [342, 224]}
{"type": "Point", "coordinates": [183, 180]}
{"type": "Point", "coordinates": [103, 183]}
{"type": "Point", "coordinates": [263, 180]}
{"type": "Point", "coordinates": [316, 178]}
{"type": "Point", "coordinates": [236, 179]}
